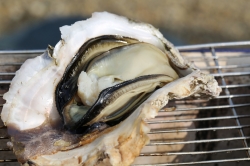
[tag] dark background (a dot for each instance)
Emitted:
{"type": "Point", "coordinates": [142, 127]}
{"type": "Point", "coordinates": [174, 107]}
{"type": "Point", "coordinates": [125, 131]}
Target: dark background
{"type": "Point", "coordinates": [33, 24]}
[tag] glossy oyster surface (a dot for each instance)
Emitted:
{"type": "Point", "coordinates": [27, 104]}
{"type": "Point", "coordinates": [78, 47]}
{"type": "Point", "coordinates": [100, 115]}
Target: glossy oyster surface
{"type": "Point", "coordinates": [85, 102]}
{"type": "Point", "coordinates": [111, 84]}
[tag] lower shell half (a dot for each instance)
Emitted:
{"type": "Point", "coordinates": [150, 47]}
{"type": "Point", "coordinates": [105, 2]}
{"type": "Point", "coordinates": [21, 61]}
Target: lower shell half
{"type": "Point", "coordinates": [86, 101]}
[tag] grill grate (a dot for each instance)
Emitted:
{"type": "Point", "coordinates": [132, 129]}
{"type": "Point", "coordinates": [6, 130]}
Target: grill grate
{"type": "Point", "coordinates": [189, 131]}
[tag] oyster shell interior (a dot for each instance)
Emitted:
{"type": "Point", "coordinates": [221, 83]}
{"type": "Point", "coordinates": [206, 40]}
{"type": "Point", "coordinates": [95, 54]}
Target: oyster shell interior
{"type": "Point", "coordinates": [89, 97]}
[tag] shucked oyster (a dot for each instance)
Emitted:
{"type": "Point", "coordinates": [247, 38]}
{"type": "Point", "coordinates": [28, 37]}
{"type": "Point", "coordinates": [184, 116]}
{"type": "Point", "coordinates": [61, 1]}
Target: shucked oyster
{"type": "Point", "coordinates": [85, 102]}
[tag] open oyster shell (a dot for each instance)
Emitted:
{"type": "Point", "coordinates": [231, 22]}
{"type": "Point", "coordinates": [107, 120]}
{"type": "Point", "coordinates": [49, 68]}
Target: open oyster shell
{"type": "Point", "coordinates": [44, 133]}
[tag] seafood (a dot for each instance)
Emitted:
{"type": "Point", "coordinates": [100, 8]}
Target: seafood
{"type": "Point", "coordinates": [126, 85]}
{"type": "Point", "coordinates": [85, 101]}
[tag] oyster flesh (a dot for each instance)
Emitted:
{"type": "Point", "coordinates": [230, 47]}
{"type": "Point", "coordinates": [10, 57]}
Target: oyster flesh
{"type": "Point", "coordinates": [85, 102]}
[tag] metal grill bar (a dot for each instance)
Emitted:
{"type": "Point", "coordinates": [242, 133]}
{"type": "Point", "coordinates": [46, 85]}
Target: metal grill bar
{"type": "Point", "coordinates": [198, 129]}
{"type": "Point", "coordinates": [4, 137]}
{"type": "Point", "coordinates": [232, 96]}
{"type": "Point", "coordinates": [7, 74]}
{"type": "Point", "coordinates": [5, 82]}
{"type": "Point", "coordinates": [199, 59]}
{"type": "Point", "coordinates": [211, 107]}
{"type": "Point", "coordinates": [194, 153]}
{"type": "Point", "coordinates": [197, 119]}
{"type": "Point", "coordinates": [235, 86]}
{"type": "Point", "coordinates": [224, 67]}
{"type": "Point", "coordinates": [22, 51]}
{"type": "Point", "coordinates": [8, 160]}
{"type": "Point", "coordinates": [153, 143]}
{"type": "Point", "coordinates": [11, 64]}
{"type": "Point", "coordinates": [231, 74]}
{"type": "Point", "coordinates": [198, 162]}
{"type": "Point", "coordinates": [214, 45]}
{"type": "Point", "coordinates": [5, 149]}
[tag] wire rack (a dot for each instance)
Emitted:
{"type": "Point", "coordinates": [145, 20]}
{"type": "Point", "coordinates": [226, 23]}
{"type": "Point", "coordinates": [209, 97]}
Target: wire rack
{"type": "Point", "coordinates": [191, 131]}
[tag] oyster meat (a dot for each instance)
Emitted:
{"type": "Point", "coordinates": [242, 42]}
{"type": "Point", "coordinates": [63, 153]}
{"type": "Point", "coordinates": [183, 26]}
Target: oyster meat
{"type": "Point", "coordinates": [85, 102]}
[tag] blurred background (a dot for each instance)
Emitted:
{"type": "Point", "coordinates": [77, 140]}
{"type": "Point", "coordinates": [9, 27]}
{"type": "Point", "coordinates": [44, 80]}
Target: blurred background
{"type": "Point", "coordinates": [33, 24]}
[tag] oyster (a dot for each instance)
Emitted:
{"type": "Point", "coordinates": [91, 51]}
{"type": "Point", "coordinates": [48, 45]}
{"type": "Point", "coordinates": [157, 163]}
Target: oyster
{"type": "Point", "coordinates": [123, 83]}
{"type": "Point", "coordinates": [85, 101]}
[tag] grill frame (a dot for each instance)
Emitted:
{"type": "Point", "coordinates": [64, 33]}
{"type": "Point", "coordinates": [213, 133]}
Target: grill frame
{"type": "Point", "coordinates": [220, 74]}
